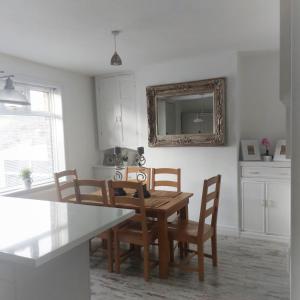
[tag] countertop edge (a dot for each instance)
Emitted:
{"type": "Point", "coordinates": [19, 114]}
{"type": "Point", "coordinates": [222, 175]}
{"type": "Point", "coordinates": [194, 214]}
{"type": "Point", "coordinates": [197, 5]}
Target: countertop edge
{"type": "Point", "coordinates": [7, 257]}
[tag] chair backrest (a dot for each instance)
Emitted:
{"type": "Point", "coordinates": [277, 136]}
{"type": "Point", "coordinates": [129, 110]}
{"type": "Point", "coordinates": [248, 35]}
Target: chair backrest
{"type": "Point", "coordinates": [166, 183]}
{"type": "Point", "coordinates": [141, 174]}
{"type": "Point", "coordinates": [209, 203]}
{"type": "Point", "coordinates": [66, 184]}
{"type": "Point", "coordinates": [99, 194]}
{"type": "Point", "coordinates": [128, 201]}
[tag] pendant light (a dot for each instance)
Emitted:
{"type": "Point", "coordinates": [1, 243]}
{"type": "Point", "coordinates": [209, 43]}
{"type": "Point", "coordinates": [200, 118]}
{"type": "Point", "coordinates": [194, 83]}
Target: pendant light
{"type": "Point", "coordinates": [10, 95]}
{"type": "Point", "coordinates": [116, 59]}
{"type": "Point", "coordinates": [197, 119]}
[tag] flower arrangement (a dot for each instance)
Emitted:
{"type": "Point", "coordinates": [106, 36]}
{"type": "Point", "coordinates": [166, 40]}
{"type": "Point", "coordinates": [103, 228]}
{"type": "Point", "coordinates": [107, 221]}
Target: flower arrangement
{"type": "Point", "coordinates": [266, 143]}
{"type": "Point", "coordinates": [25, 174]}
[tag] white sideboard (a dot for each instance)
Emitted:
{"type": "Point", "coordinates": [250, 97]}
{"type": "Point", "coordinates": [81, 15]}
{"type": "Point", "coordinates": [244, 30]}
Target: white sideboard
{"type": "Point", "coordinates": [265, 199]}
{"type": "Point", "coordinates": [116, 111]}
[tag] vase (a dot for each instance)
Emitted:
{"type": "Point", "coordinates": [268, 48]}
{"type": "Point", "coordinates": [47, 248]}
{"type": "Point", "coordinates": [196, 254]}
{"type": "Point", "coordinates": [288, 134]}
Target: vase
{"type": "Point", "coordinates": [267, 157]}
{"type": "Point", "coordinates": [27, 183]}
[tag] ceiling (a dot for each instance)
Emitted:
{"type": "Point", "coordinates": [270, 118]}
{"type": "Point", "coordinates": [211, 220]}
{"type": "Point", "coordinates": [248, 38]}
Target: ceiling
{"type": "Point", "coordinates": [76, 34]}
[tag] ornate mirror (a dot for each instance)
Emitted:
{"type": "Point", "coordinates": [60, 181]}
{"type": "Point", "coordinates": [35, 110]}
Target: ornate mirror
{"type": "Point", "coordinates": [187, 114]}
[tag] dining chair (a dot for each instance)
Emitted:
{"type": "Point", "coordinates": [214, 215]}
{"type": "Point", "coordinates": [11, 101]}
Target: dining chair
{"type": "Point", "coordinates": [64, 182]}
{"type": "Point", "coordinates": [164, 175]}
{"type": "Point", "coordinates": [140, 174]}
{"type": "Point", "coordinates": [199, 232]}
{"type": "Point", "coordinates": [98, 197]}
{"type": "Point", "coordinates": [138, 230]}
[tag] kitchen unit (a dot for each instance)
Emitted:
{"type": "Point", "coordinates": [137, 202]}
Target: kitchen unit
{"type": "Point", "coordinates": [116, 111]}
{"type": "Point", "coordinates": [44, 247]}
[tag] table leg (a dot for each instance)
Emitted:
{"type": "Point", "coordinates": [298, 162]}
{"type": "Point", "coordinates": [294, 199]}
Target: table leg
{"type": "Point", "coordinates": [164, 251]}
{"type": "Point", "coordinates": [184, 215]}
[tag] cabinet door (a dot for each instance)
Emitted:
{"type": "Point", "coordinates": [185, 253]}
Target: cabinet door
{"type": "Point", "coordinates": [253, 210]}
{"type": "Point", "coordinates": [278, 208]}
{"type": "Point", "coordinates": [108, 113]}
{"type": "Point", "coordinates": [128, 111]}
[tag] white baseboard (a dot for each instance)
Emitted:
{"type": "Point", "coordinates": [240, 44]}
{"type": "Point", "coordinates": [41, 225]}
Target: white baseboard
{"type": "Point", "coordinates": [228, 230]}
{"type": "Point", "coordinates": [235, 232]}
{"type": "Point", "coordinates": [266, 237]}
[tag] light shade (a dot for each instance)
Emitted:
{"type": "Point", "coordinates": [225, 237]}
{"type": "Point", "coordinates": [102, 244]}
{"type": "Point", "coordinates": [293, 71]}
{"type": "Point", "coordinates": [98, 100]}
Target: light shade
{"type": "Point", "coordinates": [116, 60]}
{"type": "Point", "coordinates": [11, 96]}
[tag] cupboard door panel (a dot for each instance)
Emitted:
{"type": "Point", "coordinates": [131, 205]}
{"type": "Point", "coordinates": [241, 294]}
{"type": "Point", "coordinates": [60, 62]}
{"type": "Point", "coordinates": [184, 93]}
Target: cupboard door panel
{"type": "Point", "coordinates": [108, 113]}
{"type": "Point", "coordinates": [253, 199]}
{"type": "Point", "coordinates": [278, 208]}
{"type": "Point", "coordinates": [128, 111]}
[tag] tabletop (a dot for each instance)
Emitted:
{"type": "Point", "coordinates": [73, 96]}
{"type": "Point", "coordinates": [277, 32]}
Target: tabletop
{"type": "Point", "coordinates": [35, 231]}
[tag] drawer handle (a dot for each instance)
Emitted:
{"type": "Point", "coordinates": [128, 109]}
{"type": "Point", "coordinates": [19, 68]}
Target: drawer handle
{"type": "Point", "coordinates": [271, 203]}
{"type": "Point", "coordinates": [284, 174]}
{"type": "Point", "coordinates": [254, 173]}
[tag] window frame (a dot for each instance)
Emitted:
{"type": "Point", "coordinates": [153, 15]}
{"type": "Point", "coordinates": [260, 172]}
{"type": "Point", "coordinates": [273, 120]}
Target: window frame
{"type": "Point", "coordinates": [56, 120]}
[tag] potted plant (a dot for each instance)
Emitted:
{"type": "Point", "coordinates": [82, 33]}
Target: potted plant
{"type": "Point", "coordinates": [266, 144]}
{"type": "Point", "coordinates": [26, 176]}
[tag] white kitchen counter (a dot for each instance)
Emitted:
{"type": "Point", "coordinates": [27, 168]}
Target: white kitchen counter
{"type": "Point", "coordinates": [44, 250]}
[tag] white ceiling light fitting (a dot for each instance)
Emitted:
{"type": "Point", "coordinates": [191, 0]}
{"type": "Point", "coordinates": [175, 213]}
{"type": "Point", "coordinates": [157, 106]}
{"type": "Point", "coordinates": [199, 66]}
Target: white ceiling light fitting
{"type": "Point", "coordinates": [9, 94]}
{"type": "Point", "coordinates": [116, 59]}
{"type": "Point", "coordinates": [197, 119]}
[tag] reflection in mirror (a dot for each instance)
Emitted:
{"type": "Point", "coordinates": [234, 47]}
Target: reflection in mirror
{"type": "Point", "coordinates": [186, 114]}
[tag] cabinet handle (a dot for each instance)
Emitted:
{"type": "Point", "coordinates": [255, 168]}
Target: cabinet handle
{"type": "Point", "coordinates": [271, 203]}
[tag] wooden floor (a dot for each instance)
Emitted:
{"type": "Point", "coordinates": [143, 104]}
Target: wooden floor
{"type": "Point", "coordinates": [248, 270]}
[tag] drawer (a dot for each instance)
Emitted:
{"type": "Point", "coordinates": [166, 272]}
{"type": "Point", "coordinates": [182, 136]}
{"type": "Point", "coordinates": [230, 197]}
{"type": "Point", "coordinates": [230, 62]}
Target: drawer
{"type": "Point", "coordinates": [268, 172]}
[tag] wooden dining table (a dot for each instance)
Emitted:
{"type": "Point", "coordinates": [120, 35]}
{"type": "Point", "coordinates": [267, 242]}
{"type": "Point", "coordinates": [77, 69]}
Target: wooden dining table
{"type": "Point", "coordinates": [161, 205]}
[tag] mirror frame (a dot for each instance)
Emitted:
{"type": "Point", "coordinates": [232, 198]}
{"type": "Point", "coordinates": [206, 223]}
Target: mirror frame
{"type": "Point", "coordinates": [217, 86]}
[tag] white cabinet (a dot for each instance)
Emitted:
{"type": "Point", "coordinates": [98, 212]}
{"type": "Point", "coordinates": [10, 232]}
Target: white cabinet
{"type": "Point", "coordinates": [278, 204]}
{"type": "Point", "coordinates": [116, 111]}
{"type": "Point", "coordinates": [253, 194]}
{"type": "Point", "coordinates": [104, 172]}
{"type": "Point", "coordinates": [265, 198]}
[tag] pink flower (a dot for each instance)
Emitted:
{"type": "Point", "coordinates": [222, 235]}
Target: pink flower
{"type": "Point", "coordinates": [265, 142]}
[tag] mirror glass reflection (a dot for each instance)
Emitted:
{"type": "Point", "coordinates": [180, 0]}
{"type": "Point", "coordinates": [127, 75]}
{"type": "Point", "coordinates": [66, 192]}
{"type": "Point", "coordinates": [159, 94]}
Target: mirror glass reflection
{"type": "Point", "coordinates": [185, 114]}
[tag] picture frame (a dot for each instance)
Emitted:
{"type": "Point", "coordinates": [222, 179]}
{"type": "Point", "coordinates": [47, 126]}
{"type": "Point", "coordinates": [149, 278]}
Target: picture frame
{"type": "Point", "coordinates": [250, 150]}
{"type": "Point", "coordinates": [281, 151]}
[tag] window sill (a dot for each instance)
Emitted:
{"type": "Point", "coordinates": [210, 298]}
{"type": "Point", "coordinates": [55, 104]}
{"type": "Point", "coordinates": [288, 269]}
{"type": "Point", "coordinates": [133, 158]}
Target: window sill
{"type": "Point", "coordinates": [20, 192]}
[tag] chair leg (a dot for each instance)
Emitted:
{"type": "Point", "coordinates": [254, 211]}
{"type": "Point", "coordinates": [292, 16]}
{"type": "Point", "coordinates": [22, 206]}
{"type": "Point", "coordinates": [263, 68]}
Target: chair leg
{"type": "Point", "coordinates": [90, 247]}
{"type": "Point", "coordinates": [186, 248]}
{"type": "Point", "coordinates": [146, 262]}
{"type": "Point", "coordinates": [110, 252]}
{"type": "Point", "coordinates": [214, 250]}
{"type": "Point", "coordinates": [171, 244]}
{"type": "Point", "coordinates": [104, 244]}
{"type": "Point", "coordinates": [200, 262]}
{"type": "Point", "coordinates": [117, 253]}
{"type": "Point", "coordinates": [181, 249]}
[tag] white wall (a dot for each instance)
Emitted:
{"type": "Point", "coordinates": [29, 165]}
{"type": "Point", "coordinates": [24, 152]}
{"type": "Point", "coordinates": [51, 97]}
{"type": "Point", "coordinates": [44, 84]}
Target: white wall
{"type": "Point", "coordinates": [262, 114]}
{"type": "Point", "coordinates": [197, 163]}
{"type": "Point", "coordinates": [78, 109]}
{"type": "Point", "coordinates": [295, 228]}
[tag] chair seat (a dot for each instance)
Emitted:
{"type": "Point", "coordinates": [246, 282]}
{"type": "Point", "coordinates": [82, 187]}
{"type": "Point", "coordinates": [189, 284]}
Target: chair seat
{"type": "Point", "coordinates": [188, 231]}
{"type": "Point", "coordinates": [131, 232]}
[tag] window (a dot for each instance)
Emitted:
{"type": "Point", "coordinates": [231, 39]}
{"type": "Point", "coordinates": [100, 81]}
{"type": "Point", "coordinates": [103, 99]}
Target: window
{"type": "Point", "coordinates": [31, 137]}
